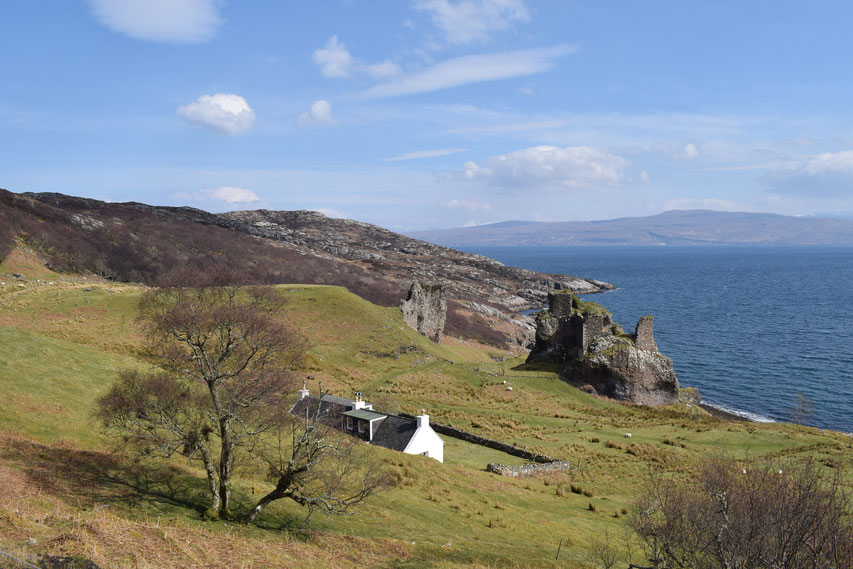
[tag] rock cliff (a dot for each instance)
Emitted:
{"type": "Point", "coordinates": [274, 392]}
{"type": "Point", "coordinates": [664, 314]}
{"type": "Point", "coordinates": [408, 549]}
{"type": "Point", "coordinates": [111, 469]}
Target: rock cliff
{"type": "Point", "coordinates": [425, 309]}
{"type": "Point", "coordinates": [598, 354]}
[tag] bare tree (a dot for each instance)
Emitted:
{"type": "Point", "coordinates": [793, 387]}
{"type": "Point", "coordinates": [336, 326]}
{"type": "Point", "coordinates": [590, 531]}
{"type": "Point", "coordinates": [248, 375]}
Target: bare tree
{"type": "Point", "coordinates": [224, 362]}
{"type": "Point", "coordinates": [604, 551]}
{"type": "Point", "coordinates": [319, 468]}
{"type": "Point", "coordinates": [747, 517]}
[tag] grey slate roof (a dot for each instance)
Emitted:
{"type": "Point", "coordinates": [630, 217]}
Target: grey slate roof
{"type": "Point", "coordinates": [394, 432]}
{"type": "Point", "coordinates": [328, 412]}
{"type": "Point", "coordinates": [338, 400]}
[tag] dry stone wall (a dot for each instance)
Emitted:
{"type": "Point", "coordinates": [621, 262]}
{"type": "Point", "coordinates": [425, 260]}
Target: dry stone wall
{"type": "Point", "coordinates": [532, 469]}
{"type": "Point", "coordinates": [483, 441]}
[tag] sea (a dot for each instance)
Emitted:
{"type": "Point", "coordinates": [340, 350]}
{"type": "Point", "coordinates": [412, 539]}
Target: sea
{"type": "Point", "coordinates": [762, 331]}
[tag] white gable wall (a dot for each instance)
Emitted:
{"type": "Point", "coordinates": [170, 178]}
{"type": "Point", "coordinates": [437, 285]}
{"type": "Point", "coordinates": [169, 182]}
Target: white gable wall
{"type": "Point", "coordinates": [426, 441]}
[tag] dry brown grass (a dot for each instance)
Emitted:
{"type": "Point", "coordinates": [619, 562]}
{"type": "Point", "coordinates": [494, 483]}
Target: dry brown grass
{"type": "Point", "coordinates": [46, 501]}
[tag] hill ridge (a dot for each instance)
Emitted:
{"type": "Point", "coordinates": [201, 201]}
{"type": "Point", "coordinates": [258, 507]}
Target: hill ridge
{"type": "Point", "coordinates": [672, 227]}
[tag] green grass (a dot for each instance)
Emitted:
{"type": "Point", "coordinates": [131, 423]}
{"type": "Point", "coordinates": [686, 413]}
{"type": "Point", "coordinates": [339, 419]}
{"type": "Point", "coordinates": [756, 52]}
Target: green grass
{"type": "Point", "coordinates": [48, 386]}
{"type": "Point", "coordinates": [61, 345]}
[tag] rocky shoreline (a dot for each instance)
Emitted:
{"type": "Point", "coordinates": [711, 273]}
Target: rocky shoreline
{"type": "Point", "coordinates": [724, 415]}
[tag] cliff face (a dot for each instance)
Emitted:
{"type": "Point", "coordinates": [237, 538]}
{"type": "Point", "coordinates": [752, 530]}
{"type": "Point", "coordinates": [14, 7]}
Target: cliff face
{"type": "Point", "coordinates": [425, 309]}
{"type": "Point", "coordinates": [599, 354]}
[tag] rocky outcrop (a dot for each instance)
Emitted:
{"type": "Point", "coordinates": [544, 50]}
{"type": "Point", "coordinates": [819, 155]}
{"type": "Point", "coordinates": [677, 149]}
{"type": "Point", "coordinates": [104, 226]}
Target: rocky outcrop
{"type": "Point", "coordinates": [598, 353]}
{"type": "Point", "coordinates": [425, 309]}
{"type": "Point", "coordinates": [140, 243]}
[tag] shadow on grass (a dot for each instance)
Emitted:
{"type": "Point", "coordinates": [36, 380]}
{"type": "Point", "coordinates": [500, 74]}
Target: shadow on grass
{"type": "Point", "coordinates": [90, 478]}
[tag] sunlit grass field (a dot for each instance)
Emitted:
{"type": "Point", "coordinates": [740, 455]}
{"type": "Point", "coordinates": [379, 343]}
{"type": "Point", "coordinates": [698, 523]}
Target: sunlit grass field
{"type": "Point", "coordinates": [63, 340]}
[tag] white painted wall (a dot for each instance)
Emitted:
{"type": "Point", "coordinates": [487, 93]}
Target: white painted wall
{"type": "Point", "coordinates": [426, 441]}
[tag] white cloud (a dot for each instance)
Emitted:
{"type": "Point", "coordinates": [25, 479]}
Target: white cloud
{"type": "Point", "coordinates": [165, 21]}
{"type": "Point", "coordinates": [320, 112]}
{"type": "Point", "coordinates": [419, 154]}
{"type": "Point", "coordinates": [335, 60]}
{"type": "Point", "coordinates": [466, 21]}
{"type": "Point", "coordinates": [827, 174]}
{"type": "Point", "coordinates": [571, 167]}
{"type": "Point", "coordinates": [471, 69]}
{"type": "Point", "coordinates": [382, 70]}
{"type": "Point", "coordinates": [645, 178]}
{"type": "Point", "coordinates": [233, 195]}
{"type": "Point", "coordinates": [328, 212]}
{"type": "Point", "coordinates": [226, 113]}
{"type": "Point", "coordinates": [508, 127]}
{"type": "Point", "coordinates": [700, 203]}
{"type": "Point", "coordinates": [689, 152]}
{"type": "Point", "coordinates": [468, 205]}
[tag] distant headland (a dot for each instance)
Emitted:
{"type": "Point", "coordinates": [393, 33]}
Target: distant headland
{"type": "Point", "coordinates": [676, 227]}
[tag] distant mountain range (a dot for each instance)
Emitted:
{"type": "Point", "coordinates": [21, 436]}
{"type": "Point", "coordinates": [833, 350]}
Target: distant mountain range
{"type": "Point", "coordinates": [677, 227]}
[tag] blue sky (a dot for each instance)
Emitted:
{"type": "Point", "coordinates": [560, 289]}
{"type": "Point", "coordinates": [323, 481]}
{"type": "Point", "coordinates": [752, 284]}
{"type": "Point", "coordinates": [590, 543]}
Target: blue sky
{"type": "Point", "coordinates": [418, 114]}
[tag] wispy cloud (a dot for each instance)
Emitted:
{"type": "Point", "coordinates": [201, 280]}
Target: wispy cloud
{"type": "Point", "coordinates": [474, 205]}
{"type": "Point", "coordinates": [320, 112]}
{"type": "Point", "coordinates": [508, 127]}
{"type": "Point", "coordinates": [470, 69]}
{"type": "Point", "coordinates": [689, 152]}
{"type": "Point", "coordinates": [164, 21]}
{"type": "Point", "coordinates": [233, 195]}
{"type": "Point", "coordinates": [822, 175]}
{"type": "Point", "coordinates": [466, 21]}
{"type": "Point", "coordinates": [541, 166]}
{"type": "Point", "coordinates": [420, 154]}
{"type": "Point", "coordinates": [336, 61]}
{"type": "Point", "coordinates": [226, 113]}
{"type": "Point", "coordinates": [700, 203]}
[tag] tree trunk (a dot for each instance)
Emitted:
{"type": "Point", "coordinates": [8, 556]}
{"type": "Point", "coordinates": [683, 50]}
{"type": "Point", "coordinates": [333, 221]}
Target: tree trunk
{"type": "Point", "coordinates": [271, 497]}
{"type": "Point", "coordinates": [211, 478]}
{"type": "Point", "coordinates": [226, 455]}
{"type": "Point", "coordinates": [226, 461]}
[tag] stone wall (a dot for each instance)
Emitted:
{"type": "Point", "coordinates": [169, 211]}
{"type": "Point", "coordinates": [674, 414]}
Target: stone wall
{"type": "Point", "coordinates": [483, 441]}
{"type": "Point", "coordinates": [644, 334]}
{"type": "Point", "coordinates": [425, 309]}
{"type": "Point", "coordinates": [529, 469]}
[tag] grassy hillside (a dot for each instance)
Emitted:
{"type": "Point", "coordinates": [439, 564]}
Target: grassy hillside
{"type": "Point", "coordinates": [62, 343]}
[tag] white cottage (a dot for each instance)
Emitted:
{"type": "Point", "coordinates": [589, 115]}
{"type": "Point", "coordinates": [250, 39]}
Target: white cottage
{"type": "Point", "coordinates": [357, 417]}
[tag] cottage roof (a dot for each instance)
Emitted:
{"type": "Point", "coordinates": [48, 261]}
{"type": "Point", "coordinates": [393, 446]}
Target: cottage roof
{"type": "Point", "coordinates": [394, 432]}
{"type": "Point", "coordinates": [328, 412]}
{"type": "Point", "coordinates": [364, 414]}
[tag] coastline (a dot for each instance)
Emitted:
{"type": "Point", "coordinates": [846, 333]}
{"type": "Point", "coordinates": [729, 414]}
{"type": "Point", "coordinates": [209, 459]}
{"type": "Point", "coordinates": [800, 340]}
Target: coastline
{"type": "Point", "coordinates": [728, 414]}
{"type": "Point", "coordinates": [724, 415]}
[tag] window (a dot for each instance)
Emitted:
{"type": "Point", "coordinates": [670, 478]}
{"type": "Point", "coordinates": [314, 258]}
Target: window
{"type": "Point", "coordinates": [361, 426]}
{"type": "Point", "coordinates": [349, 423]}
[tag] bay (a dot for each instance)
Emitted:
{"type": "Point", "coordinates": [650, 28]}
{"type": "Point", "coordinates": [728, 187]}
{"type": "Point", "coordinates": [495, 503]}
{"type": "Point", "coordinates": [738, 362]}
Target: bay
{"type": "Point", "coordinates": [757, 329]}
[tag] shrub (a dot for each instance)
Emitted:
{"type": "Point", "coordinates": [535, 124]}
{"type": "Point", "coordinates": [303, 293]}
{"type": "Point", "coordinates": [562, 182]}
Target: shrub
{"type": "Point", "coordinates": [755, 517]}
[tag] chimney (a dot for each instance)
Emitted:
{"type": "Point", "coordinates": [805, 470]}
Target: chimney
{"type": "Point", "coordinates": [357, 402]}
{"type": "Point", "coordinates": [422, 419]}
{"type": "Point", "coordinates": [303, 393]}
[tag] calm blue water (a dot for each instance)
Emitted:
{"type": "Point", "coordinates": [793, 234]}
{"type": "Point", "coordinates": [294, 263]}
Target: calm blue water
{"type": "Point", "coordinates": [749, 326]}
